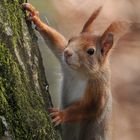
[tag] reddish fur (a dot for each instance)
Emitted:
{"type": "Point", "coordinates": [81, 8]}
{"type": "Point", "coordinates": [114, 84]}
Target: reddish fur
{"type": "Point", "coordinates": [87, 108]}
{"type": "Point", "coordinates": [55, 37]}
{"type": "Point", "coordinates": [91, 106]}
{"type": "Point", "coordinates": [88, 26]}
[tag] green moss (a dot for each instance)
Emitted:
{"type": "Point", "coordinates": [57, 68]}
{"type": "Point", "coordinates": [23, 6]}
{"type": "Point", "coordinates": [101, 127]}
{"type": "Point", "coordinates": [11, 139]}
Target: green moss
{"type": "Point", "coordinates": [3, 100]}
{"type": "Point", "coordinates": [21, 103]}
{"type": "Point", "coordinates": [13, 20]}
{"type": "Point", "coordinates": [22, 107]}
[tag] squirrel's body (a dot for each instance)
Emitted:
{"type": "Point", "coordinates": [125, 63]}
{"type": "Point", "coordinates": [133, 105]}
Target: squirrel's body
{"type": "Point", "coordinates": [89, 130]}
{"type": "Point", "coordinates": [73, 83]}
{"type": "Point", "coordinates": [86, 96]}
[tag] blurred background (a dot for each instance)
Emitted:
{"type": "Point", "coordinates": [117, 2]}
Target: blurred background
{"type": "Point", "coordinates": [68, 17]}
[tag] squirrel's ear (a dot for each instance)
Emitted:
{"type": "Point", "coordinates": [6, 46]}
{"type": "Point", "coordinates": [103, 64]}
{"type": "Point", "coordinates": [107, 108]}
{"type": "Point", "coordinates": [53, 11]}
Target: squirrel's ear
{"type": "Point", "coordinates": [88, 25]}
{"type": "Point", "coordinates": [106, 43]}
{"type": "Point", "coordinates": [112, 34]}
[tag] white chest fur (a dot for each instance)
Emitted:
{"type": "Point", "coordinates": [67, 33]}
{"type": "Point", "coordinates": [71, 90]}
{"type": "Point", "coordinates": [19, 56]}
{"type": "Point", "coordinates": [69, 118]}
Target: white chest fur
{"type": "Point", "coordinates": [73, 88]}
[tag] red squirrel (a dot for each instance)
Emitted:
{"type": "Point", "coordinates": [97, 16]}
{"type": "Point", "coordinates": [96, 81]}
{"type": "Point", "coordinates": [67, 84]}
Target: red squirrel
{"type": "Point", "coordinates": [86, 96]}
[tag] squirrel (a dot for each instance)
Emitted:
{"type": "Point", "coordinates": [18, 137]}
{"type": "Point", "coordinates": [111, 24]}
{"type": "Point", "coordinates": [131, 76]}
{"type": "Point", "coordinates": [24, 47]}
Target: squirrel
{"type": "Point", "coordinates": [86, 93]}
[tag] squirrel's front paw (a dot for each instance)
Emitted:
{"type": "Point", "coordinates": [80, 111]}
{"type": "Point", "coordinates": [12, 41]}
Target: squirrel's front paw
{"type": "Point", "coordinates": [57, 116]}
{"type": "Point", "coordinates": [31, 9]}
{"type": "Point", "coordinates": [33, 13]}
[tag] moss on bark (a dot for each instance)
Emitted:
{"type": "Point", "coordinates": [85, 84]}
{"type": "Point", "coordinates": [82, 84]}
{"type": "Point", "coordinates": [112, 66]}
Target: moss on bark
{"type": "Point", "coordinates": [23, 96]}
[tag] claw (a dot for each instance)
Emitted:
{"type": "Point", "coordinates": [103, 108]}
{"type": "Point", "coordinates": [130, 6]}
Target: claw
{"type": "Point", "coordinates": [56, 115]}
{"type": "Point", "coordinates": [31, 9]}
{"type": "Point", "coordinates": [28, 7]}
{"type": "Point", "coordinates": [56, 119]}
{"type": "Point", "coordinates": [57, 123]}
{"type": "Point", "coordinates": [33, 15]}
{"type": "Point", "coordinates": [25, 5]}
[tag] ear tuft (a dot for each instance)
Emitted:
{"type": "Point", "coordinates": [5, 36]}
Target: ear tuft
{"type": "Point", "coordinates": [88, 25]}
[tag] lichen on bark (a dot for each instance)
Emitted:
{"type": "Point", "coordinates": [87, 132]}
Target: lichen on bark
{"type": "Point", "coordinates": [24, 99]}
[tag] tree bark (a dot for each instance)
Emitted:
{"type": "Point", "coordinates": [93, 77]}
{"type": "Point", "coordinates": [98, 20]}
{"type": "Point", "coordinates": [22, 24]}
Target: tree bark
{"type": "Point", "coordinates": [24, 95]}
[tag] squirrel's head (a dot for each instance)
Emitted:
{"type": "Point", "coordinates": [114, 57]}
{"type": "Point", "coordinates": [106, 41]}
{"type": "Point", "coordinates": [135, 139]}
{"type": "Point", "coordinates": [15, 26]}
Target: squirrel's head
{"type": "Point", "coordinates": [87, 51]}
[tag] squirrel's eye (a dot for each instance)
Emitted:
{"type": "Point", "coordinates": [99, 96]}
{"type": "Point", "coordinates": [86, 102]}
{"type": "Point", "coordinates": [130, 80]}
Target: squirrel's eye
{"type": "Point", "coordinates": [90, 51]}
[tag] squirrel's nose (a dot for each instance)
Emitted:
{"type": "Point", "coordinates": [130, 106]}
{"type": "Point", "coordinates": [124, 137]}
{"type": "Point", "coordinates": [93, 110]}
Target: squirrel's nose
{"type": "Point", "coordinates": [67, 53]}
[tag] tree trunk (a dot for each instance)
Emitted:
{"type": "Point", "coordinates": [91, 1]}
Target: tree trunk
{"type": "Point", "coordinates": [24, 96]}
